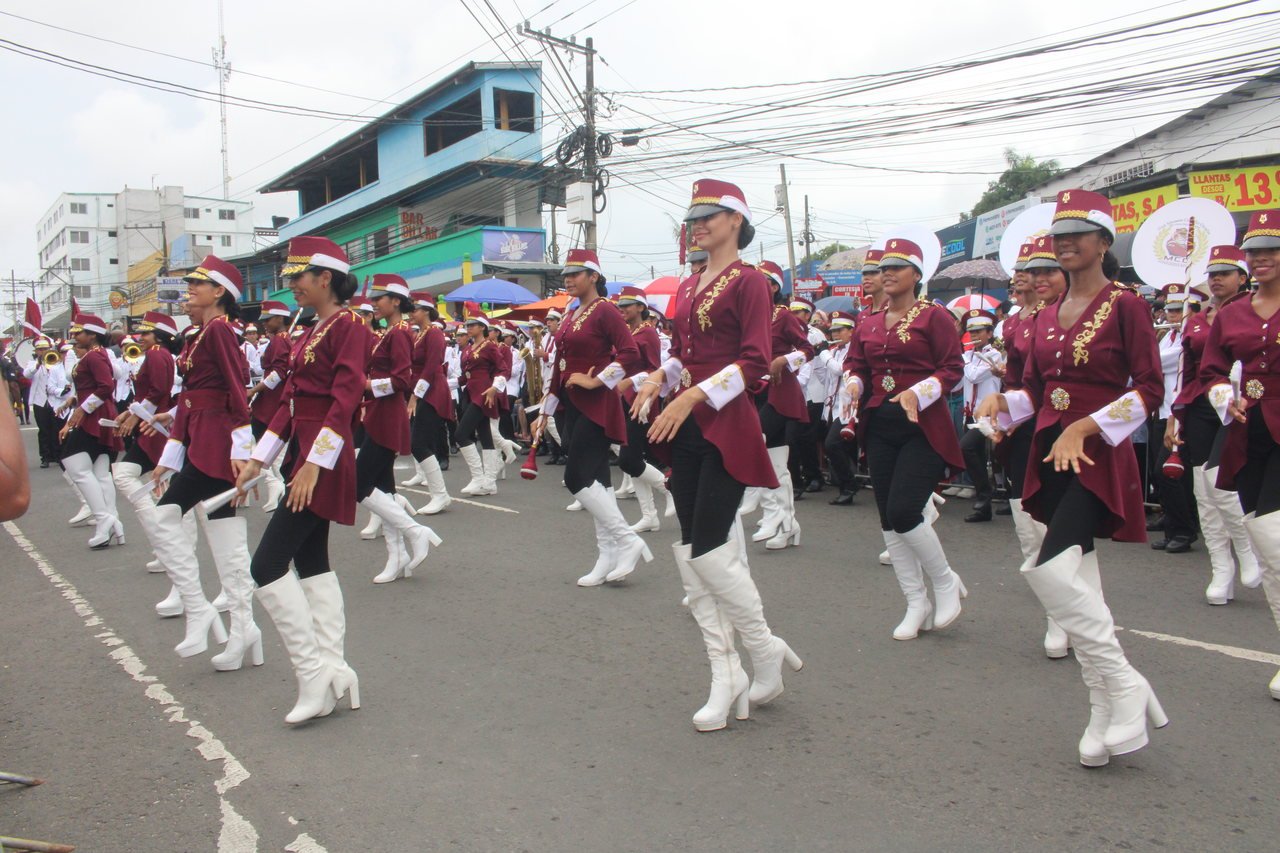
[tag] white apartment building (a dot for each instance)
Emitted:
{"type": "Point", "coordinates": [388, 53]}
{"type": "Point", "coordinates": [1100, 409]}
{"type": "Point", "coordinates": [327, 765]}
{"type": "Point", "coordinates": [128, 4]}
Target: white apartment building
{"type": "Point", "coordinates": [86, 242]}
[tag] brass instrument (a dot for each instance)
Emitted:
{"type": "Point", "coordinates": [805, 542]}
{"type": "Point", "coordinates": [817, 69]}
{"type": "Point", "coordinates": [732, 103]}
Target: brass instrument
{"type": "Point", "coordinates": [52, 358]}
{"type": "Point", "coordinates": [533, 366]}
{"type": "Point", "coordinates": [131, 353]}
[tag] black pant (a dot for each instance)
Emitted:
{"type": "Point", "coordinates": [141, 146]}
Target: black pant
{"type": "Point", "coordinates": [588, 448]}
{"type": "Point", "coordinates": [1176, 496]}
{"type": "Point", "coordinates": [905, 469]}
{"type": "Point", "coordinates": [139, 457]}
{"type": "Point", "coordinates": [79, 441]}
{"type": "Point", "coordinates": [1259, 480]}
{"type": "Point", "coordinates": [807, 438]}
{"type": "Point", "coordinates": [1073, 511]}
{"type": "Point", "coordinates": [631, 458]}
{"type": "Point", "coordinates": [472, 425]}
{"type": "Point", "coordinates": [428, 432]}
{"type": "Point", "coordinates": [375, 469]}
{"type": "Point", "coordinates": [778, 430]}
{"type": "Point", "coordinates": [840, 456]}
{"type": "Point", "coordinates": [506, 421]}
{"type": "Point", "coordinates": [705, 495]}
{"type": "Point", "coordinates": [190, 486]}
{"type": "Point", "coordinates": [47, 426]}
{"type": "Point", "coordinates": [302, 537]}
{"type": "Point", "coordinates": [973, 444]}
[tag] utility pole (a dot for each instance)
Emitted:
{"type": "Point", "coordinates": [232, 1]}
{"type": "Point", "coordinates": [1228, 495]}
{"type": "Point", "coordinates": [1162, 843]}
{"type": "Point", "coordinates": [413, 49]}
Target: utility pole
{"type": "Point", "coordinates": [590, 154]}
{"type": "Point", "coordinates": [807, 237]}
{"type": "Point", "coordinates": [785, 204]}
{"type": "Point", "coordinates": [224, 73]}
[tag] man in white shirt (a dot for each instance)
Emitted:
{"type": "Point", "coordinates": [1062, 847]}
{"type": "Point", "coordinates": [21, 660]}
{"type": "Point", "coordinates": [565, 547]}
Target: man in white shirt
{"type": "Point", "coordinates": [253, 347]}
{"type": "Point", "coordinates": [983, 371]}
{"type": "Point", "coordinates": [841, 453]}
{"type": "Point", "coordinates": [810, 435]}
{"type": "Point", "coordinates": [49, 391]}
{"type": "Point", "coordinates": [1177, 500]}
{"type": "Point", "coordinates": [547, 354]}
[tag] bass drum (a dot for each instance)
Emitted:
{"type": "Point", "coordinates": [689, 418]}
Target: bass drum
{"type": "Point", "coordinates": [25, 353]}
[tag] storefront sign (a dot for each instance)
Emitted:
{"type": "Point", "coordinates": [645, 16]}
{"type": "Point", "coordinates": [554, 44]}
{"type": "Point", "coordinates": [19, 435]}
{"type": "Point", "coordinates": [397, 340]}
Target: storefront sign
{"type": "Point", "coordinates": [1256, 188]}
{"type": "Point", "coordinates": [170, 289]}
{"type": "Point", "coordinates": [1130, 211]}
{"type": "Point", "coordinates": [854, 291]}
{"type": "Point", "coordinates": [991, 225]}
{"type": "Point", "coordinates": [839, 277]}
{"type": "Point", "coordinates": [514, 245]}
{"type": "Point", "coordinates": [809, 285]}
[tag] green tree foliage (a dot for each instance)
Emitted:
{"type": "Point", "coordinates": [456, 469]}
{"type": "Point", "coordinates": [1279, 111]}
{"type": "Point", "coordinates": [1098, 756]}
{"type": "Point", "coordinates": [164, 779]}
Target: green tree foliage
{"type": "Point", "coordinates": [829, 250]}
{"type": "Point", "coordinates": [1023, 173]}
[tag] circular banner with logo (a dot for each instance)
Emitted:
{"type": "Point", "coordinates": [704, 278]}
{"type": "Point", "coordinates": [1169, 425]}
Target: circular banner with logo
{"type": "Point", "coordinates": [1173, 244]}
{"type": "Point", "coordinates": [1025, 228]}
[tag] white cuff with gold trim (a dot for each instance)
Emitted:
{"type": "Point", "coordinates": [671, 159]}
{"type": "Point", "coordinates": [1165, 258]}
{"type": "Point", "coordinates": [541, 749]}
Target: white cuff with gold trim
{"type": "Point", "coordinates": [1220, 399]}
{"type": "Point", "coordinates": [268, 448]}
{"type": "Point", "coordinates": [381, 387]}
{"type": "Point", "coordinates": [671, 370]}
{"type": "Point", "coordinates": [174, 455]}
{"type": "Point", "coordinates": [1121, 418]}
{"type": "Point", "coordinates": [796, 360]}
{"type": "Point", "coordinates": [637, 380]}
{"type": "Point", "coordinates": [242, 442]}
{"type": "Point", "coordinates": [855, 393]}
{"type": "Point", "coordinates": [420, 390]}
{"type": "Point", "coordinates": [325, 449]}
{"type": "Point", "coordinates": [549, 404]}
{"type": "Point", "coordinates": [271, 380]}
{"type": "Point", "coordinates": [723, 387]}
{"type": "Point", "coordinates": [500, 382]}
{"type": "Point", "coordinates": [928, 391]}
{"type": "Point", "coordinates": [91, 405]}
{"type": "Point", "coordinates": [1021, 408]}
{"type": "Point", "coordinates": [149, 406]}
{"type": "Point", "coordinates": [612, 375]}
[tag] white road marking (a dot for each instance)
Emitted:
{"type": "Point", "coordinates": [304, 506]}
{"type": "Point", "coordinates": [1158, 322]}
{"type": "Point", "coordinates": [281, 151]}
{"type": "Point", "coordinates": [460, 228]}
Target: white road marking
{"type": "Point", "coordinates": [237, 834]}
{"type": "Point", "coordinates": [1229, 651]}
{"type": "Point", "coordinates": [461, 500]}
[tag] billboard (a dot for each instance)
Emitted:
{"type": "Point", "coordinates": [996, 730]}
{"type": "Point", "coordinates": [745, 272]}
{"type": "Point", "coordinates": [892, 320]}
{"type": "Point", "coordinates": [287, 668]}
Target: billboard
{"type": "Point", "coordinates": [990, 226]}
{"type": "Point", "coordinates": [1254, 188]}
{"type": "Point", "coordinates": [511, 245]}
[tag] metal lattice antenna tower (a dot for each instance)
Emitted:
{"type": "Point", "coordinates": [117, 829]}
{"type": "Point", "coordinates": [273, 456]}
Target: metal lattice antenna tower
{"type": "Point", "coordinates": [224, 74]}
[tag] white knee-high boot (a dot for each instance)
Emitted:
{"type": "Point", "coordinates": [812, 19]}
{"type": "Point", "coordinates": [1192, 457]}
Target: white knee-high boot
{"type": "Point", "coordinates": [171, 605]}
{"type": "Point", "coordinates": [646, 485]}
{"type": "Point", "coordinates": [777, 509]}
{"type": "Point", "coordinates": [729, 683]}
{"type": "Point", "coordinates": [906, 567]}
{"type": "Point", "coordinates": [470, 454]}
{"type": "Point", "coordinates": [274, 482]}
{"type": "Point", "coordinates": [178, 554]}
{"type": "Point", "coordinates": [1264, 532]}
{"type": "Point", "coordinates": [434, 479]}
{"type": "Point", "coordinates": [84, 515]}
{"type": "Point", "coordinates": [229, 542]}
{"type": "Point", "coordinates": [329, 618]}
{"type": "Point", "coordinates": [1217, 543]}
{"type": "Point", "coordinates": [948, 589]}
{"type": "Point", "coordinates": [102, 470]}
{"type": "Point", "coordinates": [419, 476]}
{"type": "Point", "coordinates": [81, 470]}
{"type": "Point", "coordinates": [419, 537]}
{"type": "Point", "coordinates": [286, 603]}
{"type": "Point", "coordinates": [127, 477]}
{"type": "Point", "coordinates": [1227, 503]}
{"type": "Point", "coordinates": [1030, 537]}
{"type": "Point", "coordinates": [612, 528]}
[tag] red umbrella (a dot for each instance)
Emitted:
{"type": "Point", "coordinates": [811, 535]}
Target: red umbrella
{"type": "Point", "coordinates": [971, 301]}
{"type": "Point", "coordinates": [658, 292]}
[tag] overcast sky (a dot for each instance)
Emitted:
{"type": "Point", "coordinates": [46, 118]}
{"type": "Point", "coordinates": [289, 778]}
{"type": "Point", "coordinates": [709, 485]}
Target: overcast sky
{"type": "Point", "coordinates": [69, 131]}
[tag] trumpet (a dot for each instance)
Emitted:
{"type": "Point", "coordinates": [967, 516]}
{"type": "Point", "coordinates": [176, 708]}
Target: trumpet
{"type": "Point", "coordinates": [52, 358]}
{"type": "Point", "coordinates": [131, 352]}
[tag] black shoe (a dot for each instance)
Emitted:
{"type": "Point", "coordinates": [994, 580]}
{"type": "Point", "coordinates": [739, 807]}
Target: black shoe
{"type": "Point", "coordinates": [845, 498]}
{"type": "Point", "coordinates": [815, 485]}
{"type": "Point", "coordinates": [556, 460]}
{"type": "Point", "coordinates": [444, 464]}
{"type": "Point", "coordinates": [1155, 524]}
{"type": "Point", "coordinates": [1160, 544]}
{"type": "Point", "coordinates": [1004, 509]}
{"type": "Point", "coordinates": [44, 463]}
{"type": "Point", "coordinates": [453, 450]}
{"type": "Point", "coordinates": [1178, 545]}
{"type": "Point", "coordinates": [798, 494]}
{"type": "Point", "coordinates": [978, 515]}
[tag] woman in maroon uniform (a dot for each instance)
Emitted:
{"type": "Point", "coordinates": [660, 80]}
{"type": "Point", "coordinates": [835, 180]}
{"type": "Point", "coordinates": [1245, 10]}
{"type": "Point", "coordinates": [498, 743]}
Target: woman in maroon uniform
{"type": "Point", "coordinates": [901, 362]}
{"type": "Point", "coordinates": [1195, 428]}
{"type": "Point", "coordinates": [152, 393]}
{"type": "Point", "coordinates": [597, 351]}
{"type": "Point", "coordinates": [1092, 376]}
{"type": "Point", "coordinates": [1246, 332]}
{"type": "Point", "coordinates": [386, 431]}
{"type": "Point", "coordinates": [633, 458]}
{"type": "Point", "coordinates": [264, 398]}
{"type": "Point", "coordinates": [719, 345]}
{"type": "Point", "coordinates": [210, 440]}
{"type": "Point", "coordinates": [431, 404]}
{"type": "Point", "coordinates": [484, 379]}
{"type": "Point", "coordinates": [88, 446]}
{"type": "Point", "coordinates": [782, 410]}
{"type": "Point", "coordinates": [326, 383]}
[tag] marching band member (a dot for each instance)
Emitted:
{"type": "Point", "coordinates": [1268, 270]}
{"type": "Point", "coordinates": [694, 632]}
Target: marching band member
{"type": "Point", "coordinates": [314, 423]}
{"type": "Point", "coordinates": [903, 360]}
{"type": "Point", "coordinates": [547, 353]}
{"type": "Point", "coordinates": [88, 446]}
{"type": "Point", "coordinates": [253, 347]}
{"type": "Point", "coordinates": [597, 351]}
{"type": "Point", "coordinates": [1091, 376]}
{"type": "Point", "coordinates": [1197, 434]}
{"type": "Point", "coordinates": [264, 397]}
{"type": "Point", "coordinates": [1246, 402]}
{"type": "Point", "coordinates": [484, 377]}
{"type": "Point", "coordinates": [981, 379]}
{"type": "Point", "coordinates": [1177, 499]}
{"type": "Point", "coordinates": [50, 389]}
{"type": "Point", "coordinates": [386, 431]}
{"type": "Point", "coordinates": [210, 440]}
{"type": "Point", "coordinates": [782, 410]}
{"type": "Point", "coordinates": [812, 377]}
{"type": "Point", "coordinates": [631, 459]}
{"type": "Point", "coordinates": [841, 453]}
{"type": "Point", "coordinates": [431, 404]}
{"type": "Point", "coordinates": [720, 343]}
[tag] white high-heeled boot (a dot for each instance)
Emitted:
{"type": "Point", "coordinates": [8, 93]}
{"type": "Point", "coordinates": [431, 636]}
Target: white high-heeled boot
{"type": "Point", "coordinates": [1083, 614]}
{"type": "Point", "coordinates": [725, 574]}
{"type": "Point", "coordinates": [776, 507]}
{"type": "Point", "coordinates": [102, 470]}
{"type": "Point", "coordinates": [80, 467]}
{"type": "Point", "coordinates": [178, 554]}
{"type": "Point", "coordinates": [127, 477]}
{"type": "Point", "coordinates": [606, 556]}
{"type": "Point", "coordinates": [275, 486]}
{"type": "Point", "coordinates": [492, 464]}
{"type": "Point", "coordinates": [287, 605]}
{"type": "Point", "coordinates": [649, 481]}
{"type": "Point", "coordinates": [229, 542]}
{"type": "Point", "coordinates": [628, 547]}
{"type": "Point", "coordinates": [84, 515]}
{"type": "Point", "coordinates": [730, 687]}
{"type": "Point", "coordinates": [170, 605]}
{"type": "Point", "coordinates": [626, 489]}
{"type": "Point", "coordinates": [1221, 587]}
{"type": "Point", "coordinates": [434, 478]}
{"type": "Point", "coordinates": [475, 463]}
{"type": "Point", "coordinates": [419, 537]}
{"type": "Point", "coordinates": [1092, 749]}
{"type": "Point", "coordinates": [948, 589]}
{"type": "Point", "coordinates": [372, 529]}
{"type": "Point", "coordinates": [1030, 537]}
{"type": "Point", "coordinates": [906, 567]}
{"type": "Point", "coordinates": [1227, 503]}
{"type": "Point", "coordinates": [789, 532]}
{"type": "Point", "coordinates": [419, 476]}
{"type": "Point", "coordinates": [329, 618]}
{"type": "Point", "coordinates": [1264, 533]}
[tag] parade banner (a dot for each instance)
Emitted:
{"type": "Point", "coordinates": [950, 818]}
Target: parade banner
{"type": "Point", "coordinates": [1130, 211]}
{"type": "Point", "coordinates": [809, 285]}
{"type": "Point", "coordinates": [1173, 245]}
{"type": "Point", "coordinates": [1255, 188]}
{"type": "Point", "coordinates": [990, 226]}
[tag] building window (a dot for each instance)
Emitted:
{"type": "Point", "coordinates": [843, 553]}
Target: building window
{"type": "Point", "coordinates": [79, 264]}
{"type": "Point", "coordinates": [226, 239]}
{"type": "Point", "coordinates": [114, 261]}
{"type": "Point", "coordinates": [82, 291]}
{"type": "Point", "coordinates": [111, 233]}
{"type": "Point", "coordinates": [79, 207]}
{"type": "Point", "coordinates": [223, 213]}
{"type": "Point", "coordinates": [191, 212]}
{"type": "Point", "coordinates": [513, 110]}
{"type": "Point", "coordinates": [79, 236]}
{"type": "Point", "coordinates": [452, 124]}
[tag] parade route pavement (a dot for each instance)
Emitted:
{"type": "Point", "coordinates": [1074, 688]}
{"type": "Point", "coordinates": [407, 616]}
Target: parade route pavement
{"type": "Point", "coordinates": [506, 709]}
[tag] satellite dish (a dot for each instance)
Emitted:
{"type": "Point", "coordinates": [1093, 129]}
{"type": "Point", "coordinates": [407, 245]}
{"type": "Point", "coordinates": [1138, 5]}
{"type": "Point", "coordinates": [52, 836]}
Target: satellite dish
{"type": "Point", "coordinates": [1165, 250]}
{"type": "Point", "coordinates": [1026, 226]}
{"type": "Point", "coordinates": [930, 248]}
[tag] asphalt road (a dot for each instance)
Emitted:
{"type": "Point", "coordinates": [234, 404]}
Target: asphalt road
{"type": "Point", "coordinates": [507, 709]}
